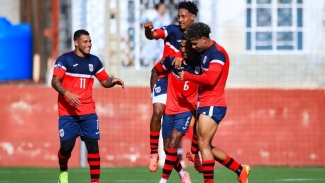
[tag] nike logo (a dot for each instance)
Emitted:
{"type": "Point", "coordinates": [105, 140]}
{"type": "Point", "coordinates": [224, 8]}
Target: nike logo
{"type": "Point", "coordinates": [74, 65]}
{"type": "Point", "coordinates": [97, 133]}
{"type": "Point", "coordinates": [179, 41]}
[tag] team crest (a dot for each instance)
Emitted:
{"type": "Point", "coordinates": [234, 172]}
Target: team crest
{"type": "Point", "coordinates": [61, 132]}
{"type": "Point", "coordinates": [204, 59]}
{"type": "Point", "coordinates": [58, 65]}
{"type": "Point", "coordinates": [158, 89]}
{"type": "Point", "coordinates": [197, 70]}
{"type": "Point", "coordinates": [91, 67]}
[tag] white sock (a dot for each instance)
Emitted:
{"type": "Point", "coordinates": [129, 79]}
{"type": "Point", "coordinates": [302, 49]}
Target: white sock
{"type": "Point", "coordinates": [163, 180]}
{"type": "Point", "coordinates": [181, 173]}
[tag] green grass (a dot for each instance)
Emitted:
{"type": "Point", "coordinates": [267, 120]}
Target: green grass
{"type": "Point", "coordinates": [142, 175]}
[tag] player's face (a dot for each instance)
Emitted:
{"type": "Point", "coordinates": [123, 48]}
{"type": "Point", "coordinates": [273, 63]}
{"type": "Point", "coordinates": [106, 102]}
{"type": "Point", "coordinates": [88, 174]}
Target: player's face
{"type": "Point", "coordinates": [185, 18]}
{"type": "Point", "coordinates": [187, 50]}
{"type": "Point", "coordinates": [199, 44]}
{"type": "Point", "coordinates": [83, 44]}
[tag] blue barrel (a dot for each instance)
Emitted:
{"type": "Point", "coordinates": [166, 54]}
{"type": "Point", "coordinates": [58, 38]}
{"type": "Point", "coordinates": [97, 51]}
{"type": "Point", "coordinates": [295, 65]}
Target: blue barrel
{"type": "Point", "coordinates": [16, 51]}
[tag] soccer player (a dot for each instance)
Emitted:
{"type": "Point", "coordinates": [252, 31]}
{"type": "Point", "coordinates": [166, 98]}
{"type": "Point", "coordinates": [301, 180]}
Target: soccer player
{"type": "Point", "coordinates": [171, 34]}
{"type": "Point", "coordinates": [212, 108]}
{"type": "Point", "coordinates": [182, 98]}
{"type": "Point", "coordinates": [73, 79]}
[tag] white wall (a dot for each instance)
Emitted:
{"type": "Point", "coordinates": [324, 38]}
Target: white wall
{"type": "Point", "coordinates": [11, 10]}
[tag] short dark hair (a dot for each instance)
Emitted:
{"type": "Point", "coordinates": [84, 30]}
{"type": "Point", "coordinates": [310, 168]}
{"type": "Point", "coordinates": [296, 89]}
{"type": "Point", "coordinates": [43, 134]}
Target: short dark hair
{"type": "Point", "coordinates": [197, 30]}
{"type": "Point", "coordinates": [78, 33]}
{"type": "Point", "coordinates": [189, 6]}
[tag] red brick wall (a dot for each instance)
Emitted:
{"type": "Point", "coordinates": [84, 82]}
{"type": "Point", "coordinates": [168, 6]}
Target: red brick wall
{"type": "Point", "coordinates": [262, 127]}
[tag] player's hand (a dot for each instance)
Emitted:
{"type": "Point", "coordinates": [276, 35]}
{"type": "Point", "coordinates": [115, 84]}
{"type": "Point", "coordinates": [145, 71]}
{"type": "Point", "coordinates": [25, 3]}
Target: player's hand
{"type": "Point", "coordinates": [72, 98]}
{"type": "Point", "coordinates": [181, 75]}
{"type": "Point", "coordinates": [148, 25]}
{"type": "Point", "coordinates": [177, 62]}
{"type": "Point", "coordinates": [117, 81]}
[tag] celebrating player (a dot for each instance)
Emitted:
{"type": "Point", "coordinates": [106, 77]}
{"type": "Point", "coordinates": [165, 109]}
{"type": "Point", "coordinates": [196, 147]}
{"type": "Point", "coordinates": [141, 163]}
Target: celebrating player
{"type": "Point", "coordinates": [73, 79]}
{"type": "Point", "coordinates": [212, 108]}
{"type": "Point", "coordinates": [172, 34]}
{"type": "Point", "coordinates": [182, 98]}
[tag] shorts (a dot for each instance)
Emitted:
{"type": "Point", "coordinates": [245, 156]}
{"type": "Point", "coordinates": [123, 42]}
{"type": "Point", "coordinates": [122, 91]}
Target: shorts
{"type": "Point", "coordinates": [73, 126]}
{"type": "Point", "coordinates": [159, 94]}
{"type": "Point", "coordinates": [217, 113]}
{"type": "Point", "coordinates": [179, 122]}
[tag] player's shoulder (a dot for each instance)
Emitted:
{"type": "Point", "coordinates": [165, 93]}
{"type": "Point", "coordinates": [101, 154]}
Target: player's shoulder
{"type": "Point", "coordinates": [215, 51]}
{"type": "Point", "coordinates": [94, 57]}
{"type": "Point", "coordinates": [172, 27]}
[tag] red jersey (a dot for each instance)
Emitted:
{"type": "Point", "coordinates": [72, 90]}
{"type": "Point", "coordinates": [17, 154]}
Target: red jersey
{"type": "Point", "coordinates": [182, 96]}
{"type": "Point", "coordinates": [215, 65]}
{"type": "Point", "coordinates": [77, 74]}
{"type": "Point", "coordinates": [172, 35]}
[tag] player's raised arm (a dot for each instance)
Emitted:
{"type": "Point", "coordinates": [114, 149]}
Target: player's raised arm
{"type": "Point", "coordinates": [150, 34]}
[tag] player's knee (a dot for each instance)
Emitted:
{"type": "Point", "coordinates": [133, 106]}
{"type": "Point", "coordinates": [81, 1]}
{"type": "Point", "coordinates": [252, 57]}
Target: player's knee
{"type": "Point", "coordinates": [91, 145]}
{"type": "Point", "coordinates": [67, 146]}
{"type": "Point", "coordinates": [158, 112]}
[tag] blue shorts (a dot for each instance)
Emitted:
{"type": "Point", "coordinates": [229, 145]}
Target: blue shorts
{"type": "Point", "coordinates": [179, 122]}
{"type": "Point", "coordinates": [159, 94]}
{"type": "Point", "coordinates": [74, 126]}
{"type": "Point", "coordinates": [217, 113]}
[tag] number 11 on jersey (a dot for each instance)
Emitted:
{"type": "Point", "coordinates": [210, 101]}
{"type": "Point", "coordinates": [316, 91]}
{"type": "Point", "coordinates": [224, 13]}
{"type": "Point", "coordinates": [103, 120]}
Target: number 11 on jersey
{"type": "Point", "coordinates": [82, 82]}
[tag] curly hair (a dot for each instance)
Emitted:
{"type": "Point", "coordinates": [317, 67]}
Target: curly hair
{"type": "Point", "coordinates": [197, 30]}
{"type": "Point", "coordinates": [189, 6]}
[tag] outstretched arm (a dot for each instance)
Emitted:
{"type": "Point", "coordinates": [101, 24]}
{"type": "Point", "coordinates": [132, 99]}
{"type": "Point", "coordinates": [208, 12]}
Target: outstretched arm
{"type": "Point", "coordinates": [110, 82]}
{"type": "Point", "coordinates": [72, 97]}
{"type": "Point", "coordinates": [208, 78]}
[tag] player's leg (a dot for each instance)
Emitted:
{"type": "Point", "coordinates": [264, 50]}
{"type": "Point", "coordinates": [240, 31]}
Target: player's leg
{"type": "Point", "coordinates": [217, 114]}
{"type": "Point", "coordinates": [206, 130]}
{"type": "Point", "coordinates": [194, 156]}
{"type": "Point", "coordinates": [89, 133]}
{"type": "Point", "coordinates": [159, 97]}
{"type": "Point", "coordinates": [68, 128]}
{"type": "Point", "coordinates": [179, 124]}
{"type": "Point", "coordinates": [242, 171]}
{"type": "Point", "coordinates": [93, 158]}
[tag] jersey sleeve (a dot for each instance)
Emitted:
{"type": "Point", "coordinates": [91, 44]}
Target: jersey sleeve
{"type": "Point", "coordinates": [207, 78]}
{"type": "Point", "coordinates": [101, 74]}
{"type": "Point", "coordinates": [218, 58]}
{"type": "Point", "coordinates": [165, 31]}
{"type": "Point", "coordinates": [60, 67]}
{"type": "Point", "coordinates": [165, 64]}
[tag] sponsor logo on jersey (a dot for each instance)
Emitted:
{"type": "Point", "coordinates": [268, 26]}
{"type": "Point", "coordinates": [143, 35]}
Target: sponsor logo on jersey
{"type": "Point", "coordinates": [204, 59]}
{"type": "Point", "coordinates": [59, 65]}
{"type": "Point", "coordinates": [158, 89]}
{"type": "Point", "coordinates": [197, 70]}
{"type": "Point", "coordinates": [91, 67]}
{"type": "Point", "coordinates": [61, 132]}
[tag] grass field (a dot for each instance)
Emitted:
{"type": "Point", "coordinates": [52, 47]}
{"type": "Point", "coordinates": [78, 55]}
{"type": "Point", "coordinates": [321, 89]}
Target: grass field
{"type": "Point", "coordinates": [141, 175]}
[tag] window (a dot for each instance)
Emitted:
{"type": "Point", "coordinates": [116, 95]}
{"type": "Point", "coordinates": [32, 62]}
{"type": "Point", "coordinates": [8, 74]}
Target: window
{"type": "Point", "coordinates": [274, 25]}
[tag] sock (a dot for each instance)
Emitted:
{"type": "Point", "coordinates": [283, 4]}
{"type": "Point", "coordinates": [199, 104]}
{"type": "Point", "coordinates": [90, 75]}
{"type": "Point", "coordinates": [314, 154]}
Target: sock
{"type": "Point", "coordinates": [194, 145]}
{"type": "Point", "coordinates": [232, 165]}
{"type": "Point", "coordinates": [208, 171]}
{"type": "Point", "coordinates": [178, 167]}
{"type": "Point", "coordinates": [180, 153]}
{"type": "Point", "coordinates": [163, 180]}
{"type": "Point", "coordinates": [154, 139]}
{"type": "Point", "coordinates": [63, 161]}
{"type": "Point", "coordinates": [94, 165]}
{"type": "Point", "coordinates": [171, 158]}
